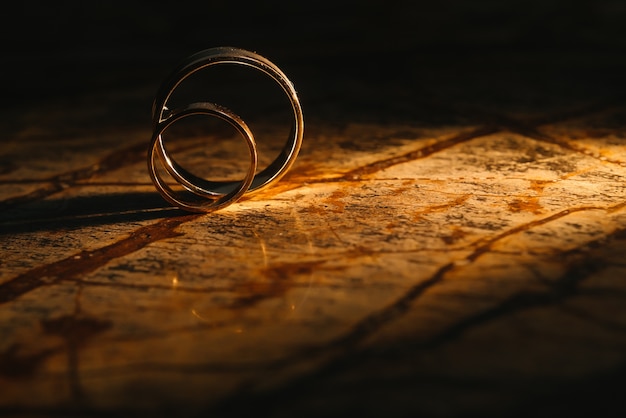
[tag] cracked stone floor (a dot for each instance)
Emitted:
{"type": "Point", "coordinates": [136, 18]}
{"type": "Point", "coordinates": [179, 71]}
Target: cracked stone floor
{"type": "Point", "coordinates": [450, 242]}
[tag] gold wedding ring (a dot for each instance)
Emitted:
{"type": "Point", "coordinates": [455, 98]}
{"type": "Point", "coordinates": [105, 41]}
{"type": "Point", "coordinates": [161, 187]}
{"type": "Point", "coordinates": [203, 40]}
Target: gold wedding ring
{"type": "Point", "coordinates": [206, 195]}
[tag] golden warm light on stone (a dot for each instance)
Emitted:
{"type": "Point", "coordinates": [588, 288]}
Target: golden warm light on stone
{"type": "Point", "coordinates": [449, 242]}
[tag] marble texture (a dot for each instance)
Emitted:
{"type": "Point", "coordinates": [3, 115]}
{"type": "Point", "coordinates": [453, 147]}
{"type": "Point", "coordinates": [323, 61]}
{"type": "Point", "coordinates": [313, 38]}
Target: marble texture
{"type": "Point", "coordinates": [449, 252]}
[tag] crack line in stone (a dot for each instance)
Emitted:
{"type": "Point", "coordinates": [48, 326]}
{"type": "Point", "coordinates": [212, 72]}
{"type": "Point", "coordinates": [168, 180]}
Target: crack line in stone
{"type": "Point", "coordinates": [533, 133]}
{"type": "Point", "coordinates": [339, 347]}
{"type": "Point", "coordinates": [563, 288]}
{"type": "Point", "coordinates": [376, 320]}
{"type": "Point", "coordinates": [567, 286]}
{"type": "Point", "coordinates": [423, 152]}
{"type": "Point", "coordinates": [115, 160]}
{"type": "Point", "coordinates": [87, 261]}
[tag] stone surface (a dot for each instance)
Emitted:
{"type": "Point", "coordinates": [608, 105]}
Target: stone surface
{"type": "Point", "coordinates": [449, 243]}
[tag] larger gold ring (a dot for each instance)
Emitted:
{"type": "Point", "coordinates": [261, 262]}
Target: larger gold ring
{"type": "Point", "coordinates": [162, 115]}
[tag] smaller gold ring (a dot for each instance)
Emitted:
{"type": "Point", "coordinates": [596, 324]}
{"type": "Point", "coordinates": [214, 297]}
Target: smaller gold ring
{"type": "Point", "coordinates": [201, 201]}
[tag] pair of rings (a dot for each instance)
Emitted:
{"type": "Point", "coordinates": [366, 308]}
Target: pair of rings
{"type": "Point", "coordinates": [199, 194]}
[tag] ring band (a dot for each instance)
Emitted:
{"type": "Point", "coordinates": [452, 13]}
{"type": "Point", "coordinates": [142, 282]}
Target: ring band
{"type": "Point", "coordinates": [203, 202]}
{"type": "Point", "coordinates": [160, 114]}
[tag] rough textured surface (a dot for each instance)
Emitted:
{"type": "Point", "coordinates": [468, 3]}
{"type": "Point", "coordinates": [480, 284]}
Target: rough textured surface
{"type": "Point", "coordinates": [449, 243]}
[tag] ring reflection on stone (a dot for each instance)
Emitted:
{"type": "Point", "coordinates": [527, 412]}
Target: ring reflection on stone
{"type": "Point", "coordinates": [219, 190]}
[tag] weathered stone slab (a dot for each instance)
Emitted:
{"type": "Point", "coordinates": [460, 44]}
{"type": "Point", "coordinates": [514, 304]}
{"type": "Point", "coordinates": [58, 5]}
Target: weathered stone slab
{"type": "Point", "coordinates": [467, 266]}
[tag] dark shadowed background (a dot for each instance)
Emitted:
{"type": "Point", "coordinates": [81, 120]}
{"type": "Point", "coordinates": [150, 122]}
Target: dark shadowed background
{"type": "Point", "coordinates": [57, 48]}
